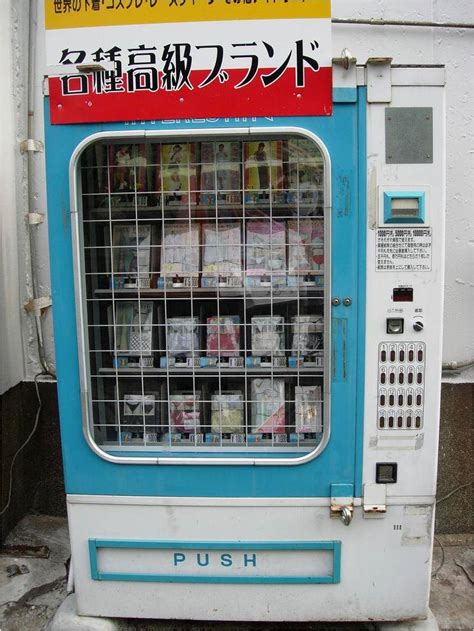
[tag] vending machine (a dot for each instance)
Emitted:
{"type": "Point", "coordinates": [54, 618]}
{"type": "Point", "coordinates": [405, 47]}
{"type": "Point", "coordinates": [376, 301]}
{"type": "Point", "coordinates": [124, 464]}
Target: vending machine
{"type": "Point", "coordinates": [248, 313]}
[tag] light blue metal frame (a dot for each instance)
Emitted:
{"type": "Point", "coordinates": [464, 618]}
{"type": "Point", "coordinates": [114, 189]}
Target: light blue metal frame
{"type": "Point", "coordinates": [86, 473]}
{"type": "Point", "coordinates": [96, 544]}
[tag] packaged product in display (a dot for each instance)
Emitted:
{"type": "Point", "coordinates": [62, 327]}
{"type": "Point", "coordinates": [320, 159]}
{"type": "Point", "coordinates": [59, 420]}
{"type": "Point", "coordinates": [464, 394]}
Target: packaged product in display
{"type": "Point", "coordinates": [179, 173]}
{"type": "Point", "coordinates": [305, 246]}
{"type": "Point", "coordinates": [223, 336]}
{"type": "Point", "coordinates": [307, 335]}
{"type": "Point", "coordinates": [140, 410]}
{"type": "Point", "coordinates": [131, 255]}
{"type": "Point", "coordinates": [131, 328]}
{"type": "Point", "coordinates": [128, 168]}
{"type": "Point", "coordinates": [308, 417]}
{"type": "Point", "coordinates": [266, 252]}
{"type": "Point", "coordinates": [180, 252]}
{"type": "Point", "coordinates": [184, 408]}
{"type": "Point", "coordinates": [183, 337]}
{"type": "Point", "coordinates": [263, 169]}
{"type": "Point", "coordinates": [268, 406]}
{"type": "Point", "coordinates": [227, 413]}
{"type": "Point", "coordinates": [268, 336]}
{"type": "Point", "coordinates": [222, 254]}
{"type": "Point", "coordinates": [221, 172]}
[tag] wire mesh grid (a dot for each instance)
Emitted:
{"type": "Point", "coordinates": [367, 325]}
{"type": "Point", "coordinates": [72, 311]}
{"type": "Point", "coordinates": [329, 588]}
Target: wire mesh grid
{"type": "Point", "coordinates": [204, 272]}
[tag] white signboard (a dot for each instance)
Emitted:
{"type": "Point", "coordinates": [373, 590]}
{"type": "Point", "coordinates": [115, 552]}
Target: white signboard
{"type": "Point", "coordinates": [403, 249]}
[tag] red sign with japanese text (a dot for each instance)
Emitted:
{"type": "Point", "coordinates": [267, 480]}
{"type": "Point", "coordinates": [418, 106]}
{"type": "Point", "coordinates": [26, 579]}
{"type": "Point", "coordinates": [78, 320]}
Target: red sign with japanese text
{"type": "Point", "coordinates": [122, 60]}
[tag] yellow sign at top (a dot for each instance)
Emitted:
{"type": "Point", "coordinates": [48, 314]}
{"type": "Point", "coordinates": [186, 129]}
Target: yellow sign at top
{"type": "Point", "coordinates": [62, 14]}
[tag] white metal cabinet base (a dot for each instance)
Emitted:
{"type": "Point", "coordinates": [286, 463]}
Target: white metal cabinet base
{"type": "Point", "coordinates": [380, 576]}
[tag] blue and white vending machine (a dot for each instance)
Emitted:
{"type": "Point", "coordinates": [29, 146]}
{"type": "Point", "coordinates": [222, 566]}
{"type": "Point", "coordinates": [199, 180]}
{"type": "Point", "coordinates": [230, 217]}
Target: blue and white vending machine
{"type": "Point", "coordinates": [247, 262]}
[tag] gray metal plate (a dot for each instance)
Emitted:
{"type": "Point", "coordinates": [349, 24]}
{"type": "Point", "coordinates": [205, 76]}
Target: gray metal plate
{"type": "Point", "coordinates": [408, 135]}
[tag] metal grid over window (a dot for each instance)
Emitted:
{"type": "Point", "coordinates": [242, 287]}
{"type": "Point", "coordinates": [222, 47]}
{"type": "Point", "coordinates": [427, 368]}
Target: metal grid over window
{"type": "Point", "coordinates": [204, 269]}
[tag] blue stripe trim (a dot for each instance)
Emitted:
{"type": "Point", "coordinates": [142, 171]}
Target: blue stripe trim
{"type": "Point", "coordinates": [361, 283]}
{"type": "Point", "coordinates": [95, 544]}
{"type": "Point", "coordinates": [344, 95]}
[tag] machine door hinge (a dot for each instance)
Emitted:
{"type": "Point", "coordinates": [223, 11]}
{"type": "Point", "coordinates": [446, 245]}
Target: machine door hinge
{"type": "Point", "coordinates": [31, 145]}
{"type": "Point", "coordinates": [342, 502]}
{"type": "Point", "coordinates": [38, 305]}
{"type": "Point", "coordinates": [375, 500]}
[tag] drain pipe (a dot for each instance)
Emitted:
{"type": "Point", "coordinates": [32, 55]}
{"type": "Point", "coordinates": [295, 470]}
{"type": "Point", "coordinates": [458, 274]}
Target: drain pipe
{"type": "Point", "coordinates": [37, 304]}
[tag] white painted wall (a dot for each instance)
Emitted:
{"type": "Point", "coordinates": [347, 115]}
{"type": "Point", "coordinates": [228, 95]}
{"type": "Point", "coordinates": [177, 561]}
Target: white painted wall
{"type": "Point", "coordinates": [409, 45]}
{"type": "Point", "coordinates": [11, 228]}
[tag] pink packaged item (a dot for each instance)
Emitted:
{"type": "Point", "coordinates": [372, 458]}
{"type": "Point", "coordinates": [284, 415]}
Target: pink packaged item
{"type": "Point", "coordinates": [223, 336]}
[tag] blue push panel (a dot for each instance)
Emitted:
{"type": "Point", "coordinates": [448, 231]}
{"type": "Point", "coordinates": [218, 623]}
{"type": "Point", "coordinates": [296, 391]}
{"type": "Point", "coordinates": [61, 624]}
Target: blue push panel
{"type": "Point", "coordinates": [222, 546]}
{"type": "Point", "coordinates": [85, 472]}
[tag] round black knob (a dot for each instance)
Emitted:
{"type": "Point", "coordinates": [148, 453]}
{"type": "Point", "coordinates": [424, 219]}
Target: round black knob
{"type": "Point", "coordinates": [418, 324]}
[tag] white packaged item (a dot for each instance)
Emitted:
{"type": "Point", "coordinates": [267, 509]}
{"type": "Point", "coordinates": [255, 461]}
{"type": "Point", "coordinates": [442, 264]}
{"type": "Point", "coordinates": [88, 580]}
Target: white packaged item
{"type": "Point", "coordinates": [266, 248]}
{"type": "Point", "coordinates": [222, 255]}
{"type": "Point", "coordinates": [268, 406]}
{"type": "Point", "coordinates": [308, 419]}
{"type": "Point", "coordinates": [182, 337]}
{"type": "Point", "coordinates": [307, 335]}
{"type": "Point", "coordinates": [227, 412]}
{"type": "Point", "coordinates": [305, 246]}
{"type": "Point", "coordinates": [185, 412]}
{"type": "Point", "coordinates": [180, 249]}
{"type": "Point", "coordinates": [268, 336]}
{"type": "Point", "coordinates": [133, 328]}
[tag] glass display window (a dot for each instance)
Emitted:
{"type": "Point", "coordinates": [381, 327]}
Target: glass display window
{"type": "Point", "coordinates": [204, 271]}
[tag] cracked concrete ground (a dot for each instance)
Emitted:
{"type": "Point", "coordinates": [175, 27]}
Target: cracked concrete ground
{"type": "Point", "coordinates": [29, 601]}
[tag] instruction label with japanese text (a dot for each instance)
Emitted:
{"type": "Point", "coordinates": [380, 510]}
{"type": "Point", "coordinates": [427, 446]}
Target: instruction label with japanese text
{"type": "Point", "coordinates": [403, 250]}
{"type": "Point", "coordinates": [123, 60]}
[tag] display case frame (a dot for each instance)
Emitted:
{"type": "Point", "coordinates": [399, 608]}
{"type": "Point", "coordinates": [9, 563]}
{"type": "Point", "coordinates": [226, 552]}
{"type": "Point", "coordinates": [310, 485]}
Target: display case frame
{"type": "Point", "coordinates": [195, 457]}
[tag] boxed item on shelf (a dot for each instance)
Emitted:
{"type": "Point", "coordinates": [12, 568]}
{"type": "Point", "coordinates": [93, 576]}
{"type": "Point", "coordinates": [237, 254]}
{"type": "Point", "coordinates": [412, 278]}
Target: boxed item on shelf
{"type": "Point", "coordinates": [308, 418]}
{"type": "Point", "coordinates": [139, 411]}
{"type": "Point", "coordinates": [182, 337]}
{"type": "Point", "coordinates": [263, 169]}
{"type": "Point", "coordinates": [268, 406]}
{"type": "Point", "coordinates": [227, 412]}
{"type": "Point", "coordinates": [185, 415]}
{"type": "Point", "coordinates": [128, 171]}
{"type": "Point", "coordinates": [179, 174]}
{"type": "Point", "coordinates": [266, 252]}
{"type": "Point", "coordinates": [132, 256]}
{"type": "Point", "coordinates": [222, 254]}
{"type": "Point", "coordinates": [268, 336]}
{"type": "Point", "coordinates": [220, 171]}
{"type": "Point", "coordinates": [307, 335]}
{"type": "Point", "coordinates": [305, 246]}
{"type": "Point", "coordinates": [223, 336]}
{"type": "Point", "coordinates": [180, 251]}
{"type": "Point", "coordinates": [133, 323]}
